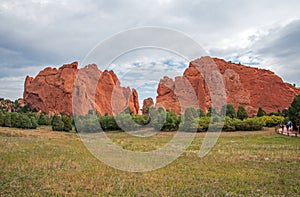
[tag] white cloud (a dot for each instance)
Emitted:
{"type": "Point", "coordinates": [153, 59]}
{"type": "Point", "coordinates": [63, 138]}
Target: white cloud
{"type": "Point", "coordinates": [145, 73]}
{"type": "Point", "coordinates": [11, 87]}
{"type": "Point", "coordinates": [38, 33]}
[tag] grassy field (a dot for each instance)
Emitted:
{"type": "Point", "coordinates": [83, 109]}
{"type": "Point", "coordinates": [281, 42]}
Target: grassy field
{"type": "Point", "coordinates": [42, 163]}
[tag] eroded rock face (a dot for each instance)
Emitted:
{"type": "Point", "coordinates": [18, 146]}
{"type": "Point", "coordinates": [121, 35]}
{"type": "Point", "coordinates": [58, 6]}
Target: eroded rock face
{"type": "Point", "coordinates": [147, 103]}
{"type": "Point", "coordinates": [51, 91]}
{"type": "Point", "coordinates": [242, 85]}
{"type": "Point", "coordinates": [134, 102]}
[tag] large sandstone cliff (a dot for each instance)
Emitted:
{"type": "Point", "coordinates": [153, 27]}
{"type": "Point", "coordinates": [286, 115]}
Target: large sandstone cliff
{"type": "Point", "coordinates": [69, 89]}
{"type": "Point", "coordinates": [240, 85]}
{"type": "Point", "coordinates": [207, 82]}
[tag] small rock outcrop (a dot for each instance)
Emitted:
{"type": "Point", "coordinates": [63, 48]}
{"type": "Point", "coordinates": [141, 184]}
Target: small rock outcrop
{"type": "Point", "coordinates": [147, 103]}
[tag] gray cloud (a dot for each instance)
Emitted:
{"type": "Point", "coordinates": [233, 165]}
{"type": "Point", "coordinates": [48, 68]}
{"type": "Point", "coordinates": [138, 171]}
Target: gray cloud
{"type": "Point", "coordinates": [35, 34]}
{"type": "Point", "coordinates": [277, 50]}
{"type": "Point", "coordinates": [282, 48]}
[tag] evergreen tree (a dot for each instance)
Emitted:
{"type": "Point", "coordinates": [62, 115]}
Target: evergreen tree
{"type": "Point", "coordinates": [211, 111]}
{"type": "Point", "coordinates": [172, 121]}
{"type": "Point", "coordinates": [279, 112]}
{"type": "Point", "coordinates": [25, 108]}
{"type": "Point", "coordinates": [67, 121]}
{"type": "Point", "coordinates": [242, 113]}
{"type": "Point", "coordinates": [285, 112]}
{"type": "Point", "coordinates": [228, 110]}
{"type": "Point", "coordinates": [34, 122]}
{"type": "Point", "coordinates": [261, 112]}
{"type": "Point", "coordinates": [44, 119]}
{"type": "Point", "coordinates": [125, 120]}
{"type": "Point", "coordinates": [158, 118]}
{"type": "Point", "coordinates": [294, 111]}
{"type": "Point", "coordinates": [2, 119]}
{"type": "Point", "coordinates": [231, 112]}
{"type": "Point", "coordinates": [190, 114]}
{"type": "Point", "coordinates": [7, 120]}
{"type": "Point", "coordinates": [57, 124]}
{"type": "Point", "coordinates": [25, 122]}
{"type": "Point", "coordinates": [15, 120]}
{"type": "Point", "coordinates": [200, 112]}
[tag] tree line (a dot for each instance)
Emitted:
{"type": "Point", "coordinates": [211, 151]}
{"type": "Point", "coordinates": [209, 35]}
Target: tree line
{"type": "Point", "coordinates": [165, 120]}
{"type": "Point", "coordinates": [228, 119]}
{"type": "Point", "coordinates": [32, 120]}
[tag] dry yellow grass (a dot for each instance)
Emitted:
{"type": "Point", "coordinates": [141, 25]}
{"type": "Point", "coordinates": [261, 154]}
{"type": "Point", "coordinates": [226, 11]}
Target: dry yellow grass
{"type": "Point", "coordinates": [43, 163]}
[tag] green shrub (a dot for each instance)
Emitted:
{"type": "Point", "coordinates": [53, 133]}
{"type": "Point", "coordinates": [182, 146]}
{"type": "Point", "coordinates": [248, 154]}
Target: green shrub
{"type": "Point", "coordinates": [211, 111]}
{"type": "Point", "coordinates": [190, 114]}
{"type": "Point", "coordinates": [141, 120]}
{"type": "Point", "coordinates": [125, 122]}
{"type": "Point", "coordinates": [15, 119]}
{"type": "Point", "coordinates": [200, 113]}
{"type": "Point", "coordinates": [250, 124]}
{"type": "Point", "coordinates": [7, 120]}
{"type": "Point", "coordinates": [67, 123]}
{"type": "Point", "coordinates": [44, 119]}
{"type": "Point", "coordinates": [157, 118]}
{"type": "Point", "coordinates": [230, 124]}
{"type": "Point", "coordinates": [272, 121]}
{"type": "Point", "coordinates": [33, 119]}
{"type": "Point", "coordinates": [87, 124]}
{"type": "Point", "coordinates": [18, 120]}
{"type": "Point", "coordinates": [108, 123]}
{"type": "Point", "coordinates": [57, 124]}
{"type": "Point", "coordinates": [25, 122]}
{"type": "Point", "coordinates": [203, 123]}
{"type": "Point", "coordinates": [172, 122]}
{"type": "Point", "coordinates": [189, 120]}
{"type": "Point", "coordinates": [2, 119]}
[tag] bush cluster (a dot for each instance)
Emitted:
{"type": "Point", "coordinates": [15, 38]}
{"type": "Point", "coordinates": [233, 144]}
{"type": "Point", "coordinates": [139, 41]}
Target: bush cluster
{"type": "Point", "coordinates": [32, 121]}
{"type": "Point", "coordinates": [227, 123]}
{"type": "Point", "coordinates": [159, 119]}
{"type": "Point", "coordinates": [44, 119]}
{"type": "Point", "coordinates": [18, 120]}
{"type": "Point", "coordinates": [93, 122]}
{"type": "Point", "coordinates": [272, 121]}
{"type": "Point", "coordinates": [165, 120]}
{"type": "Point", "coordinates": [61, 123]}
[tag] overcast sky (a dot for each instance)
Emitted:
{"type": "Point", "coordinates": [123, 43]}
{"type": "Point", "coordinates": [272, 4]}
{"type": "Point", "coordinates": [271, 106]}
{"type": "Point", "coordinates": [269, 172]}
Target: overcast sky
{"type": "Point", "coordinates": [35, 34]}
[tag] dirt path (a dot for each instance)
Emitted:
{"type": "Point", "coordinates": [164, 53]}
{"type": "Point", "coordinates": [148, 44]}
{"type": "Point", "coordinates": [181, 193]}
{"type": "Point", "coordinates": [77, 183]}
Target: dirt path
{"type": "Point", "coordinates": [288, 133]}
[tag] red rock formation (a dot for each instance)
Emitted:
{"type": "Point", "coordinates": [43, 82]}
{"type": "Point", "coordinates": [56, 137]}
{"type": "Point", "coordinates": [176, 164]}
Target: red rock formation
{"type": "Point", "coordinates": [147, 103]}
{"type": "Point", "coordinates": [134, 102]}
{"type": "Point", "coordinates": [51, 91]}
{"type": "Point", "coordinates": [243, 85]}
